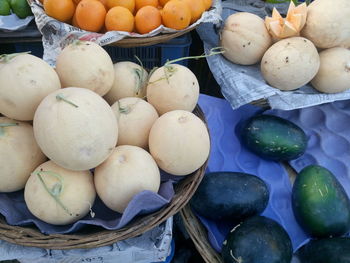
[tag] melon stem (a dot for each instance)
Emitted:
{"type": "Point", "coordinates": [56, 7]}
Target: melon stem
{"type": "Point", "coordinates": [212, 52]}
{"type": "Point", "coordinates": [139, 78]}
{"type": "Point", "coordinates": [238, 260]}
{"type": "Point", "coordinates": [151, 82]}
{"type": "Point", "coordinates": [166, 69]}
{"type": "Point", "coordinates": [56, 189]}
{"type": "Point", "coordinates": [140, 74]}
{"type": "Point", "coordinates": [152, 71]}
{"type": "Point", "coordinates": [169, 68]}
{"type": "Point", "coordinates": [77, 42]}
{"type": "Point", "coordinates": [7, 57]}
{"type": "Point", "coordinates": [2, 125]}
{"type": "Point", "coordinates": [60, 97]}
{"type": "Point", "coordinates": [124, 110]}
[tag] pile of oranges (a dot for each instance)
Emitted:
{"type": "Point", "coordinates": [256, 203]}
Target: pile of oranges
{"type": "Point", "coordinates": [141, 16]}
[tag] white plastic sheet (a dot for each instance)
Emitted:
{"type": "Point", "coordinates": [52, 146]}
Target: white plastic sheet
{"type": "Point", "coordinates": [13, 22]}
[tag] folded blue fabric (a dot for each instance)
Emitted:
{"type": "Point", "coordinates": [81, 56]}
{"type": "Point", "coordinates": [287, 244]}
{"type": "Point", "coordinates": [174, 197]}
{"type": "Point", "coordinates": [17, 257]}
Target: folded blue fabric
{"type": "Point", "coordinates": [14, 209]}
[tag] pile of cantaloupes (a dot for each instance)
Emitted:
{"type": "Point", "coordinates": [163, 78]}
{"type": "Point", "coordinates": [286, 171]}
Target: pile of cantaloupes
{"type": "Point", "coordinates": [311, 44]}
{"type": "Point", "coordinates": [127, 140]}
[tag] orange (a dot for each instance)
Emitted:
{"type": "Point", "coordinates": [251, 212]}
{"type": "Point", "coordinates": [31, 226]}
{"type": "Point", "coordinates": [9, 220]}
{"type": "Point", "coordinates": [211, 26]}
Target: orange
{"type": "Point", "coordinates": [90, 15]}
{"type": "Point", "coordinates": [176, 15]}
{"type": "Point", "coordinates": [119, 18]}
{"type": "Point", "coordinates": [163, 2]}
{"type": "Point", "coordinates": [62, 10]}
{"type": "Point", "coordinates": [142, 3]}
{"type": "Point", "coordinates": [197, 8]}
{"type": "Point", "coordinates": [129, 4]}
{"type": "Point", "coordinates": [207, 4]}
{"type": "Point", "coordinates": [147, 19]}
{"type": "Point", "coordinates": [74, 21]}
{"type": "Point", "coordinates": [104, 2]}
{"type": "Point", "coordinates": [103, 30]}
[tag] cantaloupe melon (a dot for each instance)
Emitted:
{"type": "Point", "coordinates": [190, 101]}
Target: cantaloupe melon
{"type": "Point", "coordinates": [179, 142]}
{"type": "Point", "coordinates": [85, 64]}
{"type": "Point", "coordinates": [334, 73]}
{"type": "Point", "coordinates": [327, 23]}
{"type": "Point", "coordinates": [135, 119]}
{"type": "Point", "coordinates": [244, 38]}
{"type": "Point", "coordinates": [19, 154]}
{"type": "Point", "coordinates": [127, 172]}
{"type": "Point", "coordinates": [59, 196]}
{"type": "Point", "coordinates": [130, 81]}
{"type": "Point", "coordinates": [25, 80]}
{"type": "Point", "coordinates": [290, 63]}
{"type": "Point", "coordinates": [75, 128]}
{"type": "Point", "coordinates": [173, 87]}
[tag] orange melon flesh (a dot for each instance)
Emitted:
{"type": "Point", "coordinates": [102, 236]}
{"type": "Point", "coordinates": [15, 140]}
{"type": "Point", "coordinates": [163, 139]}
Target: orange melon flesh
{"type": "Point", "coordinates": [288, 30]}
{"type": "Point", "coordinates": [275, 29]}
{"type": "Point", "coordinates": [290, 26]}
{"type": "Point", "coordinates": [301, 9]}
{"type": "Point", "coordinates": [276, 15]}
{"type": "Point", "coordinates": [296, 20]}
{"type": "Point", "coordinates": [290, 10]}
{"type": "Point", "coordinates": [268, 20]}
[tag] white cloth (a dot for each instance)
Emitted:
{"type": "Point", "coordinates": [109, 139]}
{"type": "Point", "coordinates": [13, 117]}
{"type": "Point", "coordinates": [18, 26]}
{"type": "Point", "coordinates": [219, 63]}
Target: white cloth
{"type": "Point", "coordinates": [152, 246]}
{"type": "Point", "coordinates": [13, 22]}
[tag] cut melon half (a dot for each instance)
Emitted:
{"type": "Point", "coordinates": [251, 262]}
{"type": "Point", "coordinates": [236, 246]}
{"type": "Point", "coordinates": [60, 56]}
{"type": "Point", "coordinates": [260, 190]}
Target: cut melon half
{"type": "Point", "coordinates": [275, 29]}
{"type": "Point", "coordinates": [296, 20]}
{"type": "Point", "coordinates": [291, 9]}
{"type": "Point", "coordinates": [288, 30]}
{"type": "Point", "coordinates": [277, 16]}
{"type": "Point", "coordinates": [290, 26]}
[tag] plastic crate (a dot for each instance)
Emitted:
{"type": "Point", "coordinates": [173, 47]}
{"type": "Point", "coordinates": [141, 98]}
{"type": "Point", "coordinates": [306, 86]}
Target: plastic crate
{"type": "Point", "coordinates": [6, 49]}
{"type": "Point", "coordinates": [156, 55]}
{"type": "Point", "coordinates": [151, 56]}
{"type": "Point", "coordinates": [35, 48]}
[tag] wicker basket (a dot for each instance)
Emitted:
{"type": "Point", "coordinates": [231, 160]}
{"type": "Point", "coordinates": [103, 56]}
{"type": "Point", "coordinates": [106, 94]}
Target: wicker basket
{"type": "Point", "coordinates": [149, 41]}
{"type": "Point", "coordinates": [92, 237]}
{"type": "Point", "coordinates": [199, 236]}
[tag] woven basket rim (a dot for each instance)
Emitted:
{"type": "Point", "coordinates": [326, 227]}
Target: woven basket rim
{"type": "Point", "coordinates": [129, 42]}
{"type": "Point", "coordinates": [149, 41]}
{"type": "Point", "coordinates": [199, 236]}
{"type": "Point", "coordinates": [32, 237]}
